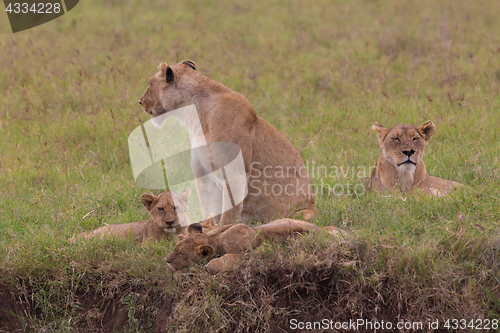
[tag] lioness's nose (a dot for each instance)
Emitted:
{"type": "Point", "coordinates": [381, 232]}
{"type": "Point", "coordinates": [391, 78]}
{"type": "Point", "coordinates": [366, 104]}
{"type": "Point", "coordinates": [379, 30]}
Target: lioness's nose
{"type": "Point", "coordinates": [140, 102]}
{"type": "Point", "coordinates": [409, 152]}
{"type": "Point", "coordinates": [169, 222]}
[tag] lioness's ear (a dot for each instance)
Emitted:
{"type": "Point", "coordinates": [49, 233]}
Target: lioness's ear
{"type": "Point", "coordinates": [379, 128]}
{"type": "Point", "coordinates": [381, 132]}
{"type": "Point", "coordinates": [162, 67]}
{"type": "Point", "coordinates": [194, 228]}
{"type": "Point", "coordinates": [426, 130]}
{"type": "Point", "coordinates": [205, 251]}
{"type": "Point", "coordinates": [166, 71]}
{"type": "Point", "coordinates": [148, 200]}
{"type": "Point", "coordinates": [169, 76]}
{"type": "Point", "coordinates": [189, 63]}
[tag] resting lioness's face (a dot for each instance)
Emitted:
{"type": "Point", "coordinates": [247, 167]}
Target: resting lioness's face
{"type": "Point", "coordinates": [403, 145]}
{"type": "Point", "coordinates": [166, 89]}
{"type": "Point", "coordinates": [192, 248]}
{"type": "Point", "coordinates": [167, 213]}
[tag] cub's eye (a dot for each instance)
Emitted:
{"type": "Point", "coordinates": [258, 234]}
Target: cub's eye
{"type": "Point", "coordinates": [415, 139]}
{"type": "Point", "coordinates": [180, 253]}
{"type": "Point", "coordinates": [396, 140]}
{"type": "Point", "coordinates": [160, 209]}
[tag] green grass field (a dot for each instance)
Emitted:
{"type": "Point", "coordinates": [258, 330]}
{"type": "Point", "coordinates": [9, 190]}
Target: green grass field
{"type": "Point", "coordinates": [322, 73]}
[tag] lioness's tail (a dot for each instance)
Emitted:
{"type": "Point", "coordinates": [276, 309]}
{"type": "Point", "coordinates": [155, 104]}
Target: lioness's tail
{"type": "Point", "coordinates": [283, 228]}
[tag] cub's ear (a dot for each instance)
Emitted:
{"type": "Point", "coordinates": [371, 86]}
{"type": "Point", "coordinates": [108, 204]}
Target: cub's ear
{"type": "Point", "coordinates": [148, 200]}
{"type": "Point", "coordinates": [189, 63]}
{"type": "Point", "coordinates": [194, 228]}
{"type": "Point", "coordinates": [381, 133]}
{"type": "Point", "coordinates": [210, 223]}
{"type": "Point", "coordinates": [205, 251]}
{"type": "Point", "coordinates": [426, 130]}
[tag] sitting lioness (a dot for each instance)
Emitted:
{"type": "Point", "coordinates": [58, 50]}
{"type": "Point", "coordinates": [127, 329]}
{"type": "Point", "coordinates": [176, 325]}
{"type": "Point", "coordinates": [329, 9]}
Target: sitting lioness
{"type": "Point", "coordinates": [166, 220]}
{"type": "Point", "coordinates": [230, 242]}
{"type": "Point", "coordinates": [278, 182]}
{"type": "Point", "coordinates": [400, 164]}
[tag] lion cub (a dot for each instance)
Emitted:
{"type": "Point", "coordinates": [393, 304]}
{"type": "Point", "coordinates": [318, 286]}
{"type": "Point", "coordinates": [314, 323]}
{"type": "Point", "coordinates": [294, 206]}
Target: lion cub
{"type": "Point", "coordinates": [166, 219]}
{"type": "Point", "coordinates": [400, 164]}
{"type": "Point", "coordinates": [227, 244]}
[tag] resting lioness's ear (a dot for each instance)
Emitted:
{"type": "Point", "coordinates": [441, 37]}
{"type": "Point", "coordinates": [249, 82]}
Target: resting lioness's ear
{"type": "Point", "coordinates": [189, 63]}
{"type": "Point", "coordinates": [206, 251]}
{"type": "Point", "coordinates": [148, 200]}
{"type": "Point", "coordinates": [381, 132]}
{"type": "Point", "coordinates": [194, 228]}
{"type": "Point", "coordinates": [426, 130]}
{"type": "Point", "coordinates": [379, 128]}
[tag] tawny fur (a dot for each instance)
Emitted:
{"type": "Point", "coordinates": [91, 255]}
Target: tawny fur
{"type": "Point", "coordinates": [400, 166]}
{"type": "Point", "coordinates": [227, 116]}
{"type": "Point", "coordinates": [230, 242]}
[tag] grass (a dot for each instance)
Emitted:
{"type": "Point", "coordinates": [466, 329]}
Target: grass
{"type": "Point", "coordinates": [322, 73]}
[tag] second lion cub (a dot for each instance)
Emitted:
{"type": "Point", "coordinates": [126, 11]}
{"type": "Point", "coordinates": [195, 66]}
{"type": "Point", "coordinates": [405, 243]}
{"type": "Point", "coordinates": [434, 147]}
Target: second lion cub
{"type": "Point", "coordinates": [166, 219]}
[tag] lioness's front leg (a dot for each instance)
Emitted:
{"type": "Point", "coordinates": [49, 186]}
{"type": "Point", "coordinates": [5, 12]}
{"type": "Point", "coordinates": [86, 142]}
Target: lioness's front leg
{"type": "Point", "coordinates": [210, 197]}
{"type": "Point", "coordinates": [236, 189]}
{"type": "Point", "coordinates": [233, 215]}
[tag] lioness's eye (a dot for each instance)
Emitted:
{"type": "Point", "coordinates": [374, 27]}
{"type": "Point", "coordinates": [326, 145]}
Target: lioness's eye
{"type": "Point", "coordinates": [396, 139]}
{"type": "Point", "coordinates": [160, 209]}
{"type": "Point", "coordinates": [181, 254]}
{"type": "Point", "coordinates": [415, 139]}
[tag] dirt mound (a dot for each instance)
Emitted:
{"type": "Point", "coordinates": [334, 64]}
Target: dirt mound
{"type": "Point", "coordinates": [275, 290]}
{"type": "Point", "coordinates": [9, 308]}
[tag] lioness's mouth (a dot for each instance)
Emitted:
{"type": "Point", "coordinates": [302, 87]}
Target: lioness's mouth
{"type": "Point", "coordinates": [407, 161]}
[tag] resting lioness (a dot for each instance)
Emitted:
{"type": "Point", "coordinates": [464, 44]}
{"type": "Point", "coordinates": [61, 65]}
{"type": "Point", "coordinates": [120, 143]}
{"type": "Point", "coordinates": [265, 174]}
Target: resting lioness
{"type": "Point", "coordinates": [278, 182]}
{"type": "Point", "coordinates": [166, 220]}
{"type": "Point", "coordinates": [400, 164]}
{"type": "Point", "coordinates": [230, 242]}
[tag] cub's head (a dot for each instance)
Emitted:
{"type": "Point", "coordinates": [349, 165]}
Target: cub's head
{"type": "Point", "coordinates": [168, 213]}
{"type": "Point", "coordinates": [191, 248]}
{"type": "Point", "coordinates": [403, 145]}
{"type": "Point", "coordinates": [166, 89]}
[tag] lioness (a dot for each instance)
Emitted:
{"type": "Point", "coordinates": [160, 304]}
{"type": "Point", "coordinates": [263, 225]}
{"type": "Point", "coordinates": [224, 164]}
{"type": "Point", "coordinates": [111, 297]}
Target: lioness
{"type": "Point", "coordinates": [165, 221]}
{"type": "Point", "coordinates": [230, 242]}
{"type": "Point", "coordinates": [278, 183]}
{"type": "Point", "coordinates": [400, 164]}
